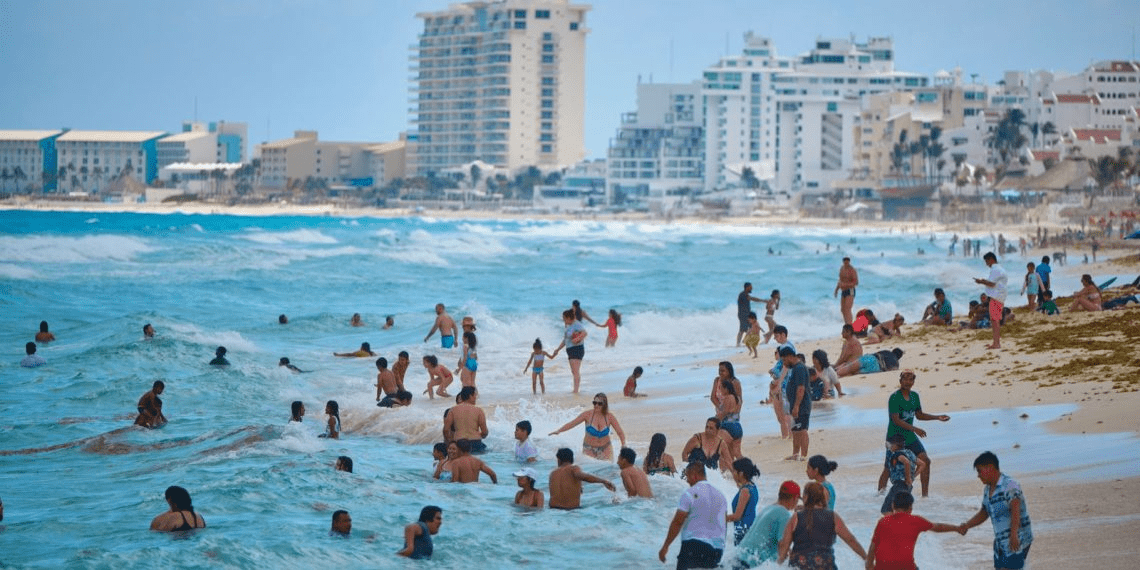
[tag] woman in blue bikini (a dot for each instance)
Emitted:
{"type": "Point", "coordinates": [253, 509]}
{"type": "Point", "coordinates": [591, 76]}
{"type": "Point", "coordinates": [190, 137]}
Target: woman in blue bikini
{"type": "Point", "coordinates": [596, 443]}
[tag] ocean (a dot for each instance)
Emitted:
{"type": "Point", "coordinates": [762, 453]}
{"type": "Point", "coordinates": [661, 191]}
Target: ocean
{"type": "Point", "coordinates": [267, 487]}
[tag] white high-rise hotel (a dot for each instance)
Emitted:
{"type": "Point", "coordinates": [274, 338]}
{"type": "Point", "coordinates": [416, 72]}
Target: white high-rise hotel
{"type": "Point", "coordinates": [500, 81]}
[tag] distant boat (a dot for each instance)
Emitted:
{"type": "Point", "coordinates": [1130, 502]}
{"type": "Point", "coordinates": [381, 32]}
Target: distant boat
{"type": "Point", "coordinates": [906, 188]}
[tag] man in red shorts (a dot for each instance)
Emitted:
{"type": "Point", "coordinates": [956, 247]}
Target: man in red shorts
{"type": "Point", "coordinates": [995, 288]}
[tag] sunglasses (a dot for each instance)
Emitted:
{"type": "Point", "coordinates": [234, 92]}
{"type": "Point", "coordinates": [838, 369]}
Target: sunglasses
{"type": "Point", "coordinates": [596, 403]}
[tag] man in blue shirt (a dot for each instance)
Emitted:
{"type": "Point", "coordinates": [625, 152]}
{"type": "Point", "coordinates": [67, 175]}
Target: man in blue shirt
{"type": "Point", "coordinates": [1004, 504]}
{"type": "Point", "coordinates": [1043, 270]}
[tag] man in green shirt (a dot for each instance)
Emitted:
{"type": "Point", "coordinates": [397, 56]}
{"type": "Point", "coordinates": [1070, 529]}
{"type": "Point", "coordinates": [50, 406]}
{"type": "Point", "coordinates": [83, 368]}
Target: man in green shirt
{"type": "Point", "coordinates": [904, 407]}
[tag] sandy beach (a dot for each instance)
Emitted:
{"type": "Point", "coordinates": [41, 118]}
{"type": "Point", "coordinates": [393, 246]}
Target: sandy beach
{"type": "Point", "coordinates": [1080, 370]}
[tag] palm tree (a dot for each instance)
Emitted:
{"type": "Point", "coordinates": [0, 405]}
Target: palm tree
{"type": "Point", "coordinates": [5, 176]}
{"type": "Point", "coordinates": [19, 176]}
{"type": "Point", "coordinates": [748, 177]}
{"type": "Point", "coordinates": [476, 175]}
{"type": "Point", "coordinates": [979, 177]}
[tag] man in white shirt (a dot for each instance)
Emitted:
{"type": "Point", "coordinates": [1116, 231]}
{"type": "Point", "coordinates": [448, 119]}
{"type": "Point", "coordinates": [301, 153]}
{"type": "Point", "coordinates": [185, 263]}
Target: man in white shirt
{"type": "Point", "coordinates": [995, 289]}
{"type": "Point", "coordinates": [700, 520]}
{"type": "Point", "coordinates": [32, 360]}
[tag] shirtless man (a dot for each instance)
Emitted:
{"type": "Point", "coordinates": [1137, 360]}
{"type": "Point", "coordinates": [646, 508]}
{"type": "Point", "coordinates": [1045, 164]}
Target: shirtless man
{"type": "Point", "coordinates": [386, 385]}
{"type": "Point", "coordinates": [634, 479]}
{"type": "Point", "coordinates": [150, 407]}
{"type": "Point", "coordinates": [467, 421]}
{"type": "Point", "coordinates": [848, 281]}
{"type": "Point", "coordinates": [466, 467]}
{"type": "Point", "coordinates": [566, 482]}
{"type": "Point", "coordinates": [852, 348]}
{"type": "Point", "coordinates": [445, 325]}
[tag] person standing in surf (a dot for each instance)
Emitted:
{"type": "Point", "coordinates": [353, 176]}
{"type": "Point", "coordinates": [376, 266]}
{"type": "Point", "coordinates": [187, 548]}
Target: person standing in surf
{"type": "Point", "coordinates": [573, 339]}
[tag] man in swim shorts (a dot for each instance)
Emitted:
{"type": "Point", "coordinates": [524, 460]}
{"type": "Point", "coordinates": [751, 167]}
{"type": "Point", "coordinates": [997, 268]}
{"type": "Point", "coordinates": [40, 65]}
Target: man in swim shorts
{"type": "Point", "coordinates": [995, 284]}
{"type": "Point", "coordinates": [743, 307]}
{"type": "Point", "coordinates": [445, 325]}
{"type": "Point", "coordinates": [466, 420]}
{"type": "Point", "coordinates": [566, 482]}
{"type": "Point", "coordinates": [386, 385]}
{"type": "Point", "coordinates": [848, 281]}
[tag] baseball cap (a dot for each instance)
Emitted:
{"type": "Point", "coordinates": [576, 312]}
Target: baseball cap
{"type": "Point", "coordinates": [526, 472]}
{"type": "Point", "coordinates": [790, 488]}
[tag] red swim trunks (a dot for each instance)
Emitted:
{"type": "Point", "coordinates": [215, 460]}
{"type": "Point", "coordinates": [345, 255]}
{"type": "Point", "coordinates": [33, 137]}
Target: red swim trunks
{"type": "Point", "coordinates": [995, 310]}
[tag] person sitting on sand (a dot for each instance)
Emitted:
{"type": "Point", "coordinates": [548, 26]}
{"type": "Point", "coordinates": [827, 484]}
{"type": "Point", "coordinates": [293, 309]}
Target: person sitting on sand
{"type": "Point", "coordinates": [150, 407]}
{"type": "Point", "coordinates": [1088, 298]}
{"type": "Point", "coordinates": [1048, 305]}
{"type": "Point", "coordinates": [881, 361]}
{"type": "Point", "coordinates": [852, 348]}
{"type": "Point", "coordinates": [885, 330]}
{"type": "Point", "coordinates": [364, 352]}
{"type": "Point", "coordinates": [220, 357]}
{"type": "Point", "coordinates": [44, 335]}
{"type": "Point", "coordinates": [630, 389]}
{"type": "Point", "coordinates": [864, 321]}
{"type": "Point", "coordinates": [939, 312]}
{"type": "Point", "coordinates": [181, 515]}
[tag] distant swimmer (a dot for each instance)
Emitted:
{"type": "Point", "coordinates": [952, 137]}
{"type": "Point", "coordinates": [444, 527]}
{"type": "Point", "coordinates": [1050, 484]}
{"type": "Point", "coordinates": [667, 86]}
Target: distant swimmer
{"type": "Point", "coordinates": [44, 335]}
{"type": "Point", "coordinates": [343, 463]}
{"type": "Point", "coordinates": [285, 362]}
{"type": "Point", "coordinates": [298, 410]}
{"type": "Point", "coordinates": [356, 321]}
{"type": "Point", "coordinates": [148, 331]}
{"type": "Point", "coordinates": [181, 515]}
{"type": "Point", "coordinates": [417, 535]}
{"type": "Point", "coordinates": [389, 322]}
{"type": "Point", "coordinates": [341, 524]}
{"type": "Point", "coordinates": [220, 357]}
{"type": "Point", "coordinates": [282, 319]}
{"type": "Point", "coordinates": [445, 325]}
{"type": "Point", "coordinates": [848, 281]}
{"type": "Point", "coordinates": [364, 351]}
{"type": "Point", "coordinates": [566, 482]}
{"type": "Point", "coordinates": [150, 407]}
{"type": "Point", "coordinates": [32, 359]}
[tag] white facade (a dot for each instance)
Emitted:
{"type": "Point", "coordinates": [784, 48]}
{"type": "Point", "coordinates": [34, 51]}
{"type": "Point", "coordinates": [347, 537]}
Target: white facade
{"type": "Point", "coordinates": [502, 82]}
{"type": "Point", "coordinates": [660, 148]}
{"type": "Point", "coordinates": [89, 160]}
{"type": "Point", "coordinates": [818, 106]}
{"type": "Point", "coordinates": [193, 147]}
{"type": "Point", "coordinates": [27, 160]}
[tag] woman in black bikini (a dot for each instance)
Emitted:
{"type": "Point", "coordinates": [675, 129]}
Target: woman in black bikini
{"type": "Point", "coordinates": [181, 515]}
{"type": "Point", "coordinates": [710, 438]}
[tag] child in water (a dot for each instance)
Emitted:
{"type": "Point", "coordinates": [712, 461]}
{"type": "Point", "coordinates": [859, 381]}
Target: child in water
{"type": "Point", "coordinates": [630, 389]}
{"type": "Point", "coordinates": [753, 337]}
{"type": "Point", "coordinates": [612, 324]}
{"type": "Point", "coordinates": [537, 359]}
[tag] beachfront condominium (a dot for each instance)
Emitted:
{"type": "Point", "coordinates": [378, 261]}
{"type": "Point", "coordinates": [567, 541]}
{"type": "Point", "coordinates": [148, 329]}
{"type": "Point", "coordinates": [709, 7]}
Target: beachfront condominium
{"type": "Point", "coordinates": [28, 161]}
{"type": "Point", "coordinates": [303, 160]}
{"type": "Point", "coordinates": [500, 81]}
{"type": "Point", "coordinates": [657, 155]}
{"type": "Point", "coordinates": [90, 160]}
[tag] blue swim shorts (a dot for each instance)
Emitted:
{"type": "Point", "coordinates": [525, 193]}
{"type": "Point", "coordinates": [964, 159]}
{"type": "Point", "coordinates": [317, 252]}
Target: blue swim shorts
{"type": "Point", "coordinates": [447, 341]}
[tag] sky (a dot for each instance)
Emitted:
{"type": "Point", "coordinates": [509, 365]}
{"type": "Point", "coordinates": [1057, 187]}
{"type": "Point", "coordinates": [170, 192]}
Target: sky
{"type": "Point", "coordinates": [341, 66]}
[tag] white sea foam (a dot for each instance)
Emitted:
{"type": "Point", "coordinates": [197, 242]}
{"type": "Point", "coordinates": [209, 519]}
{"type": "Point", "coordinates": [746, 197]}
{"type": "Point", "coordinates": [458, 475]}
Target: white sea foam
{"type": "Point", "coordinates": [304, 236]}
{"type": "Point", "coordinates": [61, 249]}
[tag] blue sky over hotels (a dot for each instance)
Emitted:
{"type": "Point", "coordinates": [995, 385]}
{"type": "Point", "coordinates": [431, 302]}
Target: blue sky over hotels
{"type": "Point", "coordinates": [341, 66]}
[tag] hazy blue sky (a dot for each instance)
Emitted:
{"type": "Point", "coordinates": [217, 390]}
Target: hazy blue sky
{"type": "Point", "coordinates": [341, 66]}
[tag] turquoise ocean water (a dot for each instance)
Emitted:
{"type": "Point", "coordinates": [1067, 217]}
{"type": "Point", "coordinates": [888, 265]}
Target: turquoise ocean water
{"type": "Point", "coordinates": [267, 487]}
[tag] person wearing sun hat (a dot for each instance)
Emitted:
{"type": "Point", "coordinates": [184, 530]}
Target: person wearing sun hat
{"type": "Point", "coordinates": [762, 540]}
{"type": "Point", "coordinates": [528, 496]}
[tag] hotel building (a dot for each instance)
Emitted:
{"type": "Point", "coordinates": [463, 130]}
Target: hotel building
{"type": "Point", "coordinates": [28, 160]}
{"type": "Point", "coordinates": [500, 81]}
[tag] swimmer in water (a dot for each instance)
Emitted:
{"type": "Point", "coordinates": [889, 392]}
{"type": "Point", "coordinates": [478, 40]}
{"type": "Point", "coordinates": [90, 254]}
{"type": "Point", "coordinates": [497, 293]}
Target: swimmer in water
{"type": "Point", "coordinates": [285, 362]}
{"type": "Point", "coordinates": [220, 357]}
{"type": "Point", "coordinates": [298, 409]}
{"type": "Point", "coordinates": [150, 407]}
{"type": "Point", "coordinates": [365, 351]}
{"type": "Point", "coordinates": [389, 322]}
{"type": "Point", "coordinates": [44, 335]}
{"type": "Point", "coordinates": [181, 515]}
{"type": "Point", "coordinates": [148, 331]}
{"type": "Point", "coordinates": [356, 322]}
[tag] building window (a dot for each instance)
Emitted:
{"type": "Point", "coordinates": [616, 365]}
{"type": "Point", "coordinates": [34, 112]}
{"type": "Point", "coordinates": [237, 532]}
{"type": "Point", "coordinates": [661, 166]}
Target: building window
{"type": "Point", "coordinates": [547, 126]}
{"type": "Point", "coordinates": [547, 59]}
{"type": "Point", "coordinates": [547, 36]}
{"type": "Point", "coordinates": [547, 92]}
{"type": "Point", "coordinates": [520, 24]}
{"type": "Point", "coordinates": [548, 81]}
{"type": "Point", "coordinates": [548, 148]}
{"type": "Point", "coordinates": [547, 104]}
{"type": "Point", "coordinates": [542, 14]}
{"type": "Point", "coordinates": [548, 48]}
{"type": "Point", "coordinates": [548, 114]}
{"type": "Point", "coordinates": [546, 137]}
{"type": "Point", "coordinates": [573, 26]}
{"type": "Point", "coordinates": [520, 14]}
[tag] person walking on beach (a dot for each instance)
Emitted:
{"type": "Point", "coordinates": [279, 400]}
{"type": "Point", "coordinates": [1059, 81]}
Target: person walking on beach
{"type": "Point", "coordinates": [469, 361]}
{"type": "Point", "coordinates": [848, 281]}
{"type": "Point", "coordinates": [995, 288]}
{"type": "Point", "coordinates": [743, 307]}
{"type": "Point", "coordinates": [1004, 504]}
{"type": "Point", "coordinates": [417, 535]}
{"type": "Point", "coordinates": [743, 512]}
{"type": "Point", "coordinates": [1043, 270]}
{"type": "Point", "coordinates": [700, 520]}
{"type": "Point", "coordinates": [904, 406]}
{"type": "Point", "coordinates": [566, 482]}
{"type": "Point", "coordinates": [535, 364]}
{"type": "Point", "coordinates": [445, 325]}
{"type": "Point", "coordinates": [1032, 286]}
{"type": "Point", "coordinates": [612, 325]}
{"type": "Point", "coordinates": [892, 545]}
{"type": "Point", "coordinates": [573, 339]}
